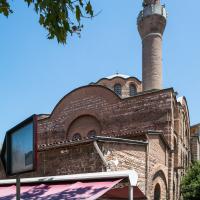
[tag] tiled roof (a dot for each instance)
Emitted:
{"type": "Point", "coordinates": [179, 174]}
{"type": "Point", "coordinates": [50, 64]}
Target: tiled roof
{"type": "Point", "coordinates": [86, 140]}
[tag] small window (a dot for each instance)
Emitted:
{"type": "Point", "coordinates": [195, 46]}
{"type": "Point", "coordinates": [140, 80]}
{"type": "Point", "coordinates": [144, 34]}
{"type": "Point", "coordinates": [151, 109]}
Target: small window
{"type": "Point", "coordinates": [76, 136]}
{"type": "Point", "coordinates": [132, 90]}
{"type": "Point", "coordinates": [91, 134]}
{"type": "Point", "coordinates": [118, 89]}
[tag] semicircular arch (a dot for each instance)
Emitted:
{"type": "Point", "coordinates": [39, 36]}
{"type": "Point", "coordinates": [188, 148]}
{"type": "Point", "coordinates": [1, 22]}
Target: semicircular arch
{"type": "Point", "coordinates": [159, 175]}
{"type": "Point", "coordinates": [84, 125]}
{"type": "Point", "coordinates": [184, 104]}
{"type": "Point", "coordinates": [159, 178]}
{"type": "Point", "coordinates": [85, 94]}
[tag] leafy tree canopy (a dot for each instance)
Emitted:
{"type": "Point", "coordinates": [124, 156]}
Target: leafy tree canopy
{"type": "Point", "coordinates": [190, 185]}
{"type": "Point", "coordinates": [58, 17]}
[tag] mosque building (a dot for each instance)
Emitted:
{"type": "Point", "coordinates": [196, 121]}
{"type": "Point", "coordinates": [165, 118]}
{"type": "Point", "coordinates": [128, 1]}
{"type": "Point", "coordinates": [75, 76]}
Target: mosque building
{"type": "Point", "coordinates": [121, 123]}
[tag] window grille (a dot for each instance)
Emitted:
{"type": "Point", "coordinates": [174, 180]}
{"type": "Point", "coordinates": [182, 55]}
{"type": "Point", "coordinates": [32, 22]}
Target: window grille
{"type": "Point", "coordinates": [91, 134]}
{"type": "Point", "coordinates": [118, 89]}
{"type": "Point", "coordinates": [77, 136]}
{"type": "Point", "coordinates": [132, 90]}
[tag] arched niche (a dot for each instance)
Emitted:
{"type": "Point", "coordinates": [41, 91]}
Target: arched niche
{"type": "Point", "coordinates": [157, 192]}
{"type": "Point", "coordinates": [85, 125]}
{"type": "Point", "coordinates": [159, 179]}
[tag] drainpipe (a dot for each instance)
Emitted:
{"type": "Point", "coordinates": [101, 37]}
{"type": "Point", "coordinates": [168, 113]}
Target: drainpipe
{"type": "Point", "coordinates": [96, 146]}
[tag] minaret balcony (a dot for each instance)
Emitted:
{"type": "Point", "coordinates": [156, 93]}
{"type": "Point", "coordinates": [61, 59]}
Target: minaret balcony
{"type": "Point", "coordinates": [153, 9]}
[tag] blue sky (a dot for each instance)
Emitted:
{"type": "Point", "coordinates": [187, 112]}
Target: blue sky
{"type": "Point", "coordinates": [36, 73]}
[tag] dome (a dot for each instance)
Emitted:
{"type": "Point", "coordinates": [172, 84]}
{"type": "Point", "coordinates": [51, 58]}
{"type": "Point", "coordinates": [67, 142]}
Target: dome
{"type": "Point", "coordinates": [118, 75]}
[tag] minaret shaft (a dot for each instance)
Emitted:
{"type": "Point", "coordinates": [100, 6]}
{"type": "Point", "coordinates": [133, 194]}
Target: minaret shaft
{"type": "Point", "coordinates": [151, 25]}
{"type": "Point", "coordinates": [152, 62]}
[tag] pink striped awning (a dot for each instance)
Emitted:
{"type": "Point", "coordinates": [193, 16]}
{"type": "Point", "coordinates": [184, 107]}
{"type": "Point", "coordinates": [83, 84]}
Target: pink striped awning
{"type": "Point", "coordinates": [75, 191]}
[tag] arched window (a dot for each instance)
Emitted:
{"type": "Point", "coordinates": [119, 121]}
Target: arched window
{"type": "Point", "coordinates": [118, 89]}
{"type": "Point", "coordinates": [157, 192]}
{"type": "Point", "coordinates": [91, 134]}
{"type": "Point", "coordinates": [132, 90]}
{"type": "Point", "coordinates": [186, 160]}
{"type": "Point", "coordinates": [83, 125]}
{"type": "Point", "coordinates": [77, 136]}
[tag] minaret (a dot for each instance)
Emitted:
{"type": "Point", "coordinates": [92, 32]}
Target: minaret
{"type": "Point", "coordinates": [151, 24]}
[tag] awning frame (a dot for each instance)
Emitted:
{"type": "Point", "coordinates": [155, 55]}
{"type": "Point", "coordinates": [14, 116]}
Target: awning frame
{"type": "Point", "coordinates": [131, 175]}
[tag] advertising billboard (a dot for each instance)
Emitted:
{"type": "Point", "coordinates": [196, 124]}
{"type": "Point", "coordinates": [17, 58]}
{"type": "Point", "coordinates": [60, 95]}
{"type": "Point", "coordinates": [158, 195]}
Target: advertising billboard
{"type": "Point", "coordinates": [20, 147]}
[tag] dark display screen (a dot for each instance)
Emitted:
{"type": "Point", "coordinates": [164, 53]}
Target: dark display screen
{"type": "Point", "coordinates": [19, 148]}
{"type": "Point", "coordinates": [22, 149]}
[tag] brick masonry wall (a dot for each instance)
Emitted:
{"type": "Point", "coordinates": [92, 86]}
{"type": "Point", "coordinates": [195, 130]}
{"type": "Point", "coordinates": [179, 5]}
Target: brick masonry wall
{"type": "Point", "coordinates": [195, 142]}
{"type": "Point", "coordinates": [195, 148]}
{"type": "Point", "coordinates": [125, 83]}
{"type": "Point", "coordinates": [158, 166]}
{"type": "Point", "coordinates": [74, 160]}
{"type": "Point", "coordinates": [157, 151]}
{"type": "Point", "coordinates": [83, 158]}
{"type": "Point", "coordinates": [116, 116]}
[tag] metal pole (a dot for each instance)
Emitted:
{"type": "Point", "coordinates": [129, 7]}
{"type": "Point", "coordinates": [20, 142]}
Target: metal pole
{"type": "Point", "coordinates": [18, 187]}
{"type": "Point", "coordinates": [130, 192]}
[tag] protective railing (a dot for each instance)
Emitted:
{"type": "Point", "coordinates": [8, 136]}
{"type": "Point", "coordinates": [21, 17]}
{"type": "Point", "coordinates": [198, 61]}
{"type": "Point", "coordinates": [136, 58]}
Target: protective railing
{"type": "Point", "coordinates": [154, 9]}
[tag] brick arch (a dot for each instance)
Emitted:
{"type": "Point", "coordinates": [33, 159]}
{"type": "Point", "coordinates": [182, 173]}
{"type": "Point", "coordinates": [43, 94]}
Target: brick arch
{"type": "Point", "coordinates": [163, 170]}
{"type": "Point", "coordinates": [87, 94]}
{"type": "Point", "coordinates": [183, 102]}
{"type": "Point", "coordinates": [80, 113]}
{"type": "Point", "coordinates": [83, 125]}
{"type": "Point", "coordinates": [92, 100]}
{"type": "Point", "coordinates": [185, 122]}
{"type": "Point", "coordinates": [159, 177]}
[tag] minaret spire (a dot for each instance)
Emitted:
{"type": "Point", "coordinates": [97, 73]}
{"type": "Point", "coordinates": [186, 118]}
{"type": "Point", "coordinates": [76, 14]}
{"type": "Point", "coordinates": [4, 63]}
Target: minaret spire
{"type": "Point", "coordinates": [151, 24]}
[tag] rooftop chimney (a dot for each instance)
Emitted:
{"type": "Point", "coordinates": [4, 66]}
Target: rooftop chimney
{"type": "Point", "coordinates": [151, 24]}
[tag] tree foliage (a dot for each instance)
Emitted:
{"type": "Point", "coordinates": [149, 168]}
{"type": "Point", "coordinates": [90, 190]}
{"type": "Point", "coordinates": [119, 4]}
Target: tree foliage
{"type": "Point", "coordinates": [190, 185]}
{"type": "Point", "coordinates": [58, 17]}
